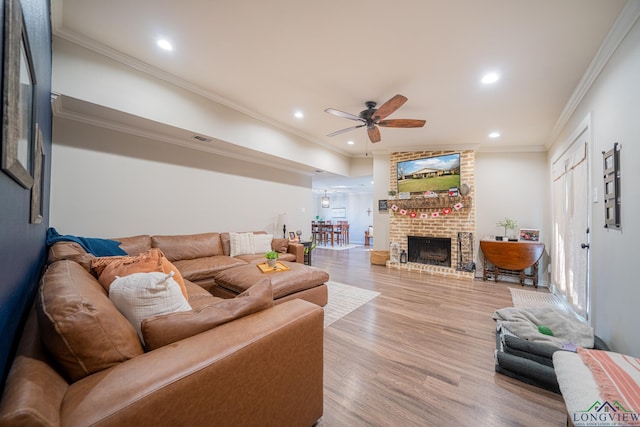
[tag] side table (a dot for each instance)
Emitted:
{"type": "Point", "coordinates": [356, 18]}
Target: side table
{"type": "Point", "coordinates": [307, 250]}
{"type": "Point", "coordinates": [512, 258]}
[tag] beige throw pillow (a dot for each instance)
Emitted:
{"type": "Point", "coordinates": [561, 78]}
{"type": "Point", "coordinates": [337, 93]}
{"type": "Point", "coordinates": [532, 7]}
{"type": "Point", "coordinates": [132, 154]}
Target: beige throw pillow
{"type": "Point", "coordinates": [141, 295]}
{"type": "Point", "coordinates": [262, 243]}
{"type": "Point", "coordinates": [241, 244]}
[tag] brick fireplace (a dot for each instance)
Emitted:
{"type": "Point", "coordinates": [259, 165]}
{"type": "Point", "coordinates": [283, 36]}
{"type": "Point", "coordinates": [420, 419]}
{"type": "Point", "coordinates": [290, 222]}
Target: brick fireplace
{"type": "Point", "coordinates": [441, 218]}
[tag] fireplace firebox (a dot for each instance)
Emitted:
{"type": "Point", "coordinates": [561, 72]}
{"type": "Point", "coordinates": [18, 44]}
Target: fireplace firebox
{"type": "Point", "coordinates": [429, 250]}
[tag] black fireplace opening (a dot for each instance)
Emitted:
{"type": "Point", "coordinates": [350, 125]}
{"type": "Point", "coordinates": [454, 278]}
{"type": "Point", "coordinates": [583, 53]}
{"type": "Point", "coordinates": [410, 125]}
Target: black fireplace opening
{"type": "Point", "coordinates": [429, 250]}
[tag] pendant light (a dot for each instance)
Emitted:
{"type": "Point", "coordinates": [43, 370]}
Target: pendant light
{"type": "Point", "coordinates": [325, 200]}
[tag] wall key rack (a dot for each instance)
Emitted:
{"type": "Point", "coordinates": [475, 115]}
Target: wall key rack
{"type": "Point", "coordinates": [611, 167]}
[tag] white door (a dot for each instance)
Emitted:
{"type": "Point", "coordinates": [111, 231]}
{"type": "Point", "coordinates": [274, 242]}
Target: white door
{"type": "Point", "coordinates": [571, 216]}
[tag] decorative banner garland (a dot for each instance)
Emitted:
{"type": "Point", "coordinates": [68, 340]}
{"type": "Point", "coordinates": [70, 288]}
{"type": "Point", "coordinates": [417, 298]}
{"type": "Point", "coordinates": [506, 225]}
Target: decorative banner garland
{"type": "Point", "coordinates": [445, 211]}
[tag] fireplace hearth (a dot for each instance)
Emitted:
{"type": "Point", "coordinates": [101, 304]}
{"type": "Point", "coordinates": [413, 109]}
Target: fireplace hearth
{"type": "Point", "coordinates": [429, 250]}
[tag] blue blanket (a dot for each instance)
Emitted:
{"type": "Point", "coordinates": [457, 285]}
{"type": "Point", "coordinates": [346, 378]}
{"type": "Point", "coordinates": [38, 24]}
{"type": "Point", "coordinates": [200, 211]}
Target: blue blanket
{"type": "Point", "coordinates": [95, 246]}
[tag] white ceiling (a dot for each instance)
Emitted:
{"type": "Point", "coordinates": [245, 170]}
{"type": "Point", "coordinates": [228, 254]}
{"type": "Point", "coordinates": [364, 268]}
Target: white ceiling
{"type": "Point", "coordinates": [271, 58]}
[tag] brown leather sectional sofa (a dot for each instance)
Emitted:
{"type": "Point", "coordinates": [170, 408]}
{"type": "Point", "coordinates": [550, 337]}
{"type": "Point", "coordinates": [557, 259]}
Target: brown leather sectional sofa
{"type": "Point", "coordinates": [200, 257]}
{"type": "Point", "coordinates": [80, 362]}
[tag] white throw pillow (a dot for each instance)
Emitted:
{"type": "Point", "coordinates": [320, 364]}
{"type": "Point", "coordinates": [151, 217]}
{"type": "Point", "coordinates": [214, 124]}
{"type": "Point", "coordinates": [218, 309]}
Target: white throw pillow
{"type": "Point", "coordinates": [262, 243]}
{"type": "Point", "coordinates": [241, 244]}
{"type": "Point", "coordinates": [141, 295]}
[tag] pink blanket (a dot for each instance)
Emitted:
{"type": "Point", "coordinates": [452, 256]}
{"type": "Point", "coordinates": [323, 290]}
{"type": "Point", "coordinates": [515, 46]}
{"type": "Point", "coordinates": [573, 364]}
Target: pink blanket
{"type": "Point", "coordinates": [617, 376]}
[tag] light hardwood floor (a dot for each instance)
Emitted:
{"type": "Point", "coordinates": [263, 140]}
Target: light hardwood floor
{"type": "Point", "coordinates": [421, 353]}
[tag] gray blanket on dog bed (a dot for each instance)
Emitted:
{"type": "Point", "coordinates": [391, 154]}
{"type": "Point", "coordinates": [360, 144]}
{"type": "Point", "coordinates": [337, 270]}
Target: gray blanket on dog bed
{"type": "Point", "coordinates": [566, 328]}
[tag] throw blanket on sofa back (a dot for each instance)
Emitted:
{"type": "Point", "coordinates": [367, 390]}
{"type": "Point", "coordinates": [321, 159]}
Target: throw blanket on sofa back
{"type": "Point", "coordinates": [95, 246]}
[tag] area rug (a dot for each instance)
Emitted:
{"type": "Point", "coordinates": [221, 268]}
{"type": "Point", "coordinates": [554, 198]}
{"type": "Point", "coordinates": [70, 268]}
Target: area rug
{"type": "Point", "coordinates": [337, 247]}
{"type": "Point", "coordinates": [533, 299]}
{"type": "Point", "coordinates": [343, 299]}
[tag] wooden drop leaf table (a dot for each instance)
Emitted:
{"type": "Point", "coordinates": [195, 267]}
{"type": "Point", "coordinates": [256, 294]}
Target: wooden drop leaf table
{"type": "Point", "coordinates": [512, 258]}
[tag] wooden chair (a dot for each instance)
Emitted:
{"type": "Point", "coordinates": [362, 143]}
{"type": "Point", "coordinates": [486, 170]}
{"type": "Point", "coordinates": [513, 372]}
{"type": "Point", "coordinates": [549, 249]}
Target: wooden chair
{"type": "Point", "coordinates": [327, 232]}
{"type": "Point", "coordinates": [315, 231]}
{"type": "Point", "coordinates": [341, 232]}
{"type": "Point", "coordinates": [345, 231]}
{"type": "Point", "coordinates": [337, 232]}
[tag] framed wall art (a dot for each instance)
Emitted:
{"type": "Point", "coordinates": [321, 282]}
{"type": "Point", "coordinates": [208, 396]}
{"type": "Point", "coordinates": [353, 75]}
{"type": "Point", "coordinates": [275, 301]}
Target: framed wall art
{"type": "Point", "coordinates": [18, 98]}
{"type": "Point", "coordinates": [36, 189]}
{"type": "Point", "coordinates": [339, 213]}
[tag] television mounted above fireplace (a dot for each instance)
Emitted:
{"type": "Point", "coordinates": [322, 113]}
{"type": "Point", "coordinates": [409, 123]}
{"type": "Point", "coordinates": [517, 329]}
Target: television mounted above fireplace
{"type": "Point", "coordinates": [435, 174]}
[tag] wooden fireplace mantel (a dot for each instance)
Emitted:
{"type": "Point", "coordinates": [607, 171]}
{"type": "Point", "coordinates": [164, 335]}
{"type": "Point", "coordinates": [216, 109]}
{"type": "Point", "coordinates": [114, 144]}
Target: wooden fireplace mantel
{"type": "Point", "coordinates": [512, 258]}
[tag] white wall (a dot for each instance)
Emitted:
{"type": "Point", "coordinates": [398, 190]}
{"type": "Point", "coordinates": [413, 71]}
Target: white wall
{"type": "Point", "coordinates": [513, 185]}
{"type": "Point", "coordinates": [106, 183]}
{"type": "Point", "coordinates": [613, 103]}
{"type": "Point", "coordinates": [381, 179]}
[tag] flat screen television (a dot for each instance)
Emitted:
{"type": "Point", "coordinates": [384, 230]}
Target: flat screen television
{"type": "Point", "coordinates": [436, 174]}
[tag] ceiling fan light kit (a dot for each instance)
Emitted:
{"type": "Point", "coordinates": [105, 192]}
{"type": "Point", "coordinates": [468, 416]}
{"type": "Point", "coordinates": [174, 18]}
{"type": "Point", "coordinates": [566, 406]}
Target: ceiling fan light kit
{"type": "Point", "coordinates": [373, 117]}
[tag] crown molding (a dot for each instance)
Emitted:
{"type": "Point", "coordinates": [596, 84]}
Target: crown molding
{"type": "Point", "coordinates": [511, 149]}
{"type": "Point", "coordinates": [172, 79]}
{"type": "Point", "coordinates": [625, 21]}
{"type": "Point", "coordinates": [59, 111]}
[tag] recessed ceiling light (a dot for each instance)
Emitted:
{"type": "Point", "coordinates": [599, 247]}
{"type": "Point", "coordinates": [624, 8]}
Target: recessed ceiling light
{"type": "Point", "coordinates": [298, 114]}
{"type": "Point", "coordinates": [490, 78]}
{"type": "Point", "coordinates": [164, 44]}
{"type": "Point", "coordinates": [350, 142]}
{"type": "Point", "coordinates": [494, 135]}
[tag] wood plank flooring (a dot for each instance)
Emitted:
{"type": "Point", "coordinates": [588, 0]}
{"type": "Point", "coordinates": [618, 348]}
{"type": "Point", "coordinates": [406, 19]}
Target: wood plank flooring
{"type": "Point", "coordinates": [421, 353]}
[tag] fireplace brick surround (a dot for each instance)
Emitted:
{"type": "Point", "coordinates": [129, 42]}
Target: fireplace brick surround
{"type": "Point", "coordinates": [446, 226]}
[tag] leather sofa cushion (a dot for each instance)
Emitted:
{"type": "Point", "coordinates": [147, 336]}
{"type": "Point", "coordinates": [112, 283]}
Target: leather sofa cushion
{"type": "Point", "coordinates": [135, 245]}
{"type": "Point", "coordinates": [203, 268]}
{"type": "Point", "coordinates": [280, 245]}
{"type": "Point", "coordinates": [298, 278]}
{"type": "Point", "coordinates": [81, 328]}
{"type": "Point", "coordinates": [165, 329]}
{"type": "Point", "coordinates": [190, 246]}
{"type": "Point", "coordinates": [199, 297]}
{"type": "Point", "coordinates": [72, 251]}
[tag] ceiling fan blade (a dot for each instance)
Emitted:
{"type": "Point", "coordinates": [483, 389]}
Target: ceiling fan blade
{"type": "Point", "coordinates": [338, 132]}
{"type": "Point", "coordinates": [343, 114]}
{"type": "Point", "coordinates": [402, 123]}
{"type": "Point", "coordinates": [389, 107]}
{"type": "Point", "coordinates": [374, 134]}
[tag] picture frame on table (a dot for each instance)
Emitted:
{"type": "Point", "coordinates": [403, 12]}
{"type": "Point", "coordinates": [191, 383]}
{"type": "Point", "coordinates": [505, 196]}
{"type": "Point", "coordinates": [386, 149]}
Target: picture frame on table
{"type": "Point", "coordinates": [529, 235]}
{"type": "Point", "coordinates": [18, 98]}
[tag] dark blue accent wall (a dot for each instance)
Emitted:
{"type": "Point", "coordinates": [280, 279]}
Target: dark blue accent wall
{"type": "Point", "coordinates": [22, 247]}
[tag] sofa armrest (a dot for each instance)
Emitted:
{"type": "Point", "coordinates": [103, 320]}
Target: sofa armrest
{"type": "Point", "coordinates": [298, 250]}
{"type": "Point", "coordinates": [263, 369]}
